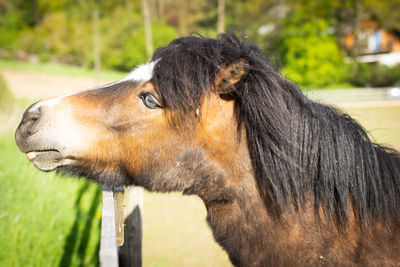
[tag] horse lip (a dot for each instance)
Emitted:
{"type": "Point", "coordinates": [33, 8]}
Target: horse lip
{"type": "Point", "coordinates": [45, 160]}
{"type": "Point", "coordinates": [33, 153]}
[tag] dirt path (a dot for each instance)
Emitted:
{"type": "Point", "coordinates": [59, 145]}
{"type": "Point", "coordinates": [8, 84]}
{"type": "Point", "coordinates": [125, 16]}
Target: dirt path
{"type": "Point", "coordinates": [38, 85]}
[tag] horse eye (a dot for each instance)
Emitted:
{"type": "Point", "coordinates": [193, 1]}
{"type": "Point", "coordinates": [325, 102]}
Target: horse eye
{"type": "Point", "coordinates": [149, 101]}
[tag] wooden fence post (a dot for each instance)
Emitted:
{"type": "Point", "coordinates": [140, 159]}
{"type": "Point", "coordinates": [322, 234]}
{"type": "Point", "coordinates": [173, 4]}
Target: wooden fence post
{"type": "Point", "coordinates": [121, 226]}
{"type": "Point", "coordinates": [130, 254]}
{"type": "Point", "coordinates": [108, 246]}
{"type": "Point", "coordinates": [119, 207]}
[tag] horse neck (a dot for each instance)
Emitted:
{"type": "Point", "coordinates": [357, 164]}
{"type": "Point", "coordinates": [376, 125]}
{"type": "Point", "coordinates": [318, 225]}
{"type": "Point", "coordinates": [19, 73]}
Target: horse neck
{"type": "Point", "coordinates": [236, 224]}
{"type": "Point", "coordinates": [236, 212]}
{"type": "Point", "coordinates": [251, 237]}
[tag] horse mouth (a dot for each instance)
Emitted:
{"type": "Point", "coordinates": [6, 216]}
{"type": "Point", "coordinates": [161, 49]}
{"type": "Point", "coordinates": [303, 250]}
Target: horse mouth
{"type": "Point", "coordinates": [45, 160]}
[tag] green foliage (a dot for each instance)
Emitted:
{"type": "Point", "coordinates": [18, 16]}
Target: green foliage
{"type": "Point", "coordinates": [385, 76]}
{"type": "Point", "coordinates": [60, 39]}
{"type": "Point", "coordinates": [10, 26]}
{"type": "Point", "coordinates": [359, 74]}
{"type": "Point", "coordinates": [311, 55]}
{"type": "Point", "coordinates": [386, 12]}
{"type": "Point", "coordinates": [6, 98]}
{"type": "Point", "coordinates": [301, 34]}
{"type": "Point", "coordinates": [57, 38]}
{"type": "Point", "coordinates": [123, 44]}
{"type": "Point", "coordinates": [376, 75]}
{"type": "Point", "coordinates": [301, 37]}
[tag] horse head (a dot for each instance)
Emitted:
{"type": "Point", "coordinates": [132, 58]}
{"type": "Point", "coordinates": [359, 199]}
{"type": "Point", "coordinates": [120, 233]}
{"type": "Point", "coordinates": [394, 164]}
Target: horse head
{"type": "Point", "coordinates": [131, 133]}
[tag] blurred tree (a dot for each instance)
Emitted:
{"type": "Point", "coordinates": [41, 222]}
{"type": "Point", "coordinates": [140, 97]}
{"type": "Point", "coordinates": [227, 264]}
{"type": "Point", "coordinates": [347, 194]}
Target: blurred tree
{"type": "Point", "coordinates": [57, 38]}
{"type": "Point", "coordinates": [300, 35]}
{"type": "Point", "coordinates": [147, 28]}
{"type": "Point", "coordinates": [64, 33]}
{"type": "Point", "coordinates": [60, 29]}
{"type": "Point", "coordinates": [14, 17]}
{"type": "Point", "coordinates": [123, 51]}
{"type": "Point", "coordinates": [221, 16]}
{"type": "Point", "coordinates": [386, 12]}
{"type": "Point", "coordinates": [186, 16]}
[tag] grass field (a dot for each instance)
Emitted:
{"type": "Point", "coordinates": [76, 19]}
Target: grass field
{"type": "Point", "coordinates": [47, 220]}
{"type": "Point", "coordinates": [382, 123]}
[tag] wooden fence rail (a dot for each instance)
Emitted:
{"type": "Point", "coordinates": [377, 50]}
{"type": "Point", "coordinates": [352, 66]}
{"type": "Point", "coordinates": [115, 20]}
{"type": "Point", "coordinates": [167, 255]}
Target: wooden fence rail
{"type": "Point", "coordinates": [121, 227]}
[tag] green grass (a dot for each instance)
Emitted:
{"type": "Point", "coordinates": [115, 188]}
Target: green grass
{"type": "Point", "coordinates": [62, 69]}
{"type": "Point", "coordinates": [47, 220]}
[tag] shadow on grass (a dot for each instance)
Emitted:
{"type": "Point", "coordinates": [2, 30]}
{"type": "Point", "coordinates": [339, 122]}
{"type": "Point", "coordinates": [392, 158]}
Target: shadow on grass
{"type": "Point", "coordinates": [79, 234]}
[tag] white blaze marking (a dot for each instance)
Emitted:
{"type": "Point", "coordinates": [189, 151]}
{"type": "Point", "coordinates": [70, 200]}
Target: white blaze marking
{"type": "Point", "coordinates": [50, 103]}
{"type": "Point", "coordinates": [141, 73]}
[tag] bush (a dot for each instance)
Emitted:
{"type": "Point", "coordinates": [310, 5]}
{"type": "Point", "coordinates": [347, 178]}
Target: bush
{"type": "Point", "coordinates": [10, 25]}
{"type": "Point", "coordinates": [312, 56]}
{"type": "Point", "coordinates": [385, 76]}
{"type": "Point", "coordinates": [359, 74]}
{"type": "Point", "coordinates": [376, 75]}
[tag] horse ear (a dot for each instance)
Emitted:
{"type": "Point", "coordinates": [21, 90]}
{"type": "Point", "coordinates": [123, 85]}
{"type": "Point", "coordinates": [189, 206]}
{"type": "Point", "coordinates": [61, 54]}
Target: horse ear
{"type": "Point", "coordinates": [229, 76]}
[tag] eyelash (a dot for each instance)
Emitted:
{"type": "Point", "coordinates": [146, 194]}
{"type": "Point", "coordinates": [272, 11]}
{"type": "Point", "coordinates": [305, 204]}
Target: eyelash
{"type": "Point", "coordinates": [148, 101]}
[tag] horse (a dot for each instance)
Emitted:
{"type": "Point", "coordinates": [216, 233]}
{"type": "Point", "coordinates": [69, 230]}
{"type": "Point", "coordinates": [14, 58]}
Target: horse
{"type": "Point", "coordinates": [286, 181]}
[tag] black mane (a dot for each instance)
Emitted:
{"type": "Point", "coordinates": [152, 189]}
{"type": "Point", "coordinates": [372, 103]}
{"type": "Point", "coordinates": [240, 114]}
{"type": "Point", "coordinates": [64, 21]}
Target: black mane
{"type": "Point", "coordinates": [299, 149]}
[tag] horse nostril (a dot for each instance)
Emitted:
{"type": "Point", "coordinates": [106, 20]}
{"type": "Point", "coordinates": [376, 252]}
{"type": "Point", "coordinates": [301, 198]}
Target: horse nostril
{"type": "Point", "coordinates": [28, 126]}
{"type": "Point", "coordinates": [32, 116]}
{"type": "Point", "coordinates": [29, 120]}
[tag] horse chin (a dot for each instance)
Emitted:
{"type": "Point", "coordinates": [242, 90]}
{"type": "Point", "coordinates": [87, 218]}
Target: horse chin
{"type": "Point", "coordinates": [103, 177]}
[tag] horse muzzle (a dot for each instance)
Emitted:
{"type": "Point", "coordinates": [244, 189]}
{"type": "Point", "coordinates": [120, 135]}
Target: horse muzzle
{"type": "Point", "coordinates": [34, 136]}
